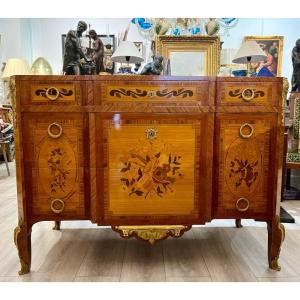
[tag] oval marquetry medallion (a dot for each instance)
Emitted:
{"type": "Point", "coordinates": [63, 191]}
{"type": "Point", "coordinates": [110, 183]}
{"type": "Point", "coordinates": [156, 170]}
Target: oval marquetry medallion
{"type": "Point", "coordinates": [57, 167]}
{"type": "Point", "coordinates": [243, 167]}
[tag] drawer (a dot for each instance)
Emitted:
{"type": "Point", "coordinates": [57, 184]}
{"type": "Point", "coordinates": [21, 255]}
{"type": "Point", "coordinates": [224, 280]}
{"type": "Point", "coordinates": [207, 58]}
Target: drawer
{"type": "Point", "coordinates": [245, 167]}
{"type": "Point", "coordinates": [154, 92]}
{"type": "Point", "coordinates": [239, 94]}
{"type": "Point", "coordinates": [54, 165]}
{"type": "Point", "coordinates": [51, 93]}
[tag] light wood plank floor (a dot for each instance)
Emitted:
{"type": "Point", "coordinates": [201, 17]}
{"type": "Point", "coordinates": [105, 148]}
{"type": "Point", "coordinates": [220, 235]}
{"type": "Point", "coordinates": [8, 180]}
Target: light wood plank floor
{"type": "Point", "coordinates": [83, 252]}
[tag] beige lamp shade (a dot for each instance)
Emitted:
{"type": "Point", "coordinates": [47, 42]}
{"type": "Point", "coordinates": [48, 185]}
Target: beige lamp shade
{"type": "Point", "coordinates": [41, 67]}
{"type": "Point", "coordinates": [127, 52]}
{"type": "Point", "coordinates": [16, 66]}
{"type": "Point", "coordinates": [249, 52]}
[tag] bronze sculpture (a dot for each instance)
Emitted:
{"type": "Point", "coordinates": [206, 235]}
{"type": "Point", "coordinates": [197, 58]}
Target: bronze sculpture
{"type": "Point", "coordinates": [296, 67]}
{"type": "Point", "coordinates": [73, 51]}
{"type": "Point", "coordinates": [153, 68]}
{"type": "Point", "coordinates": [98, 51]}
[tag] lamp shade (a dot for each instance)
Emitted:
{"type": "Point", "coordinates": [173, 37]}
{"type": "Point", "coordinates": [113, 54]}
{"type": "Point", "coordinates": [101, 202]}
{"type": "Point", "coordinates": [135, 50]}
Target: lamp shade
{"type": "Point", "coordinates": [127, 52]}
{"type": "Point", "coordinates": [16, 66]}
{"type": "Point", "coordinates": [249, 52]}
{"type": "Point", "coordinates": [41, 67]}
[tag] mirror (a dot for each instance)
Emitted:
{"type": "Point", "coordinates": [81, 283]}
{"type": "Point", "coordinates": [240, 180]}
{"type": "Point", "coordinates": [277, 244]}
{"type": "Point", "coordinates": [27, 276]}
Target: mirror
{"type": "Point", "coordinates": [190, 55]}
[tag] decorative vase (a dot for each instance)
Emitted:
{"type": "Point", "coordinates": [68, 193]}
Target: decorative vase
{"type": "Point", "coordinates": [161, 26]}
{"type": "Point", "coordinates": [41, 67]}
{"type": "Point", "coordinates": [212, 26]}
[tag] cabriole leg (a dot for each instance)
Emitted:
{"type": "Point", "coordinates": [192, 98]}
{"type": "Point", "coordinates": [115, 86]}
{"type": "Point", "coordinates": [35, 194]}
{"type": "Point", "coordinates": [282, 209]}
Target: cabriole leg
{"type": "Point", "coordinates": [56, 225]}
{"type": "Point", "coordinates": [22, 238]}
{"type": "Point", "coordinates": [238, 223]}
{"type": "Point", "coordinates": [276, 234]}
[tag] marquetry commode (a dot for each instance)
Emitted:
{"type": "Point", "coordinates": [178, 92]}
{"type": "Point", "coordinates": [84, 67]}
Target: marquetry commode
{"type": "Point", "coordinates": [148, 155]}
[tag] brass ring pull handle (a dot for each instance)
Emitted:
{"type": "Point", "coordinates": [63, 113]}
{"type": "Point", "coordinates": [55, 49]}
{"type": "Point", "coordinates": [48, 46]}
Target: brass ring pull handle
{"type": "Point", "coordinates": [248, 94]}
{"type": "Point", "coordinates": [52, 93]}
{"type": "Point", "coordinates": [57, 206]}
{"type": "Point", "coordinates": [243, 207]}
{"type": "Point", "coordinates": [55, 135]}
{"type": "Point", "coordinates": [249, 127]}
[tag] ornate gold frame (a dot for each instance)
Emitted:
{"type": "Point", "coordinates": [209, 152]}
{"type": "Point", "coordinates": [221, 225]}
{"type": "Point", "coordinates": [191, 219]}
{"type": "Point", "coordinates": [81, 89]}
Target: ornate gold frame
{"type": "Point", "coordinates": [276, 38]}
{"type": "Point", "coordinates": [164, 45]}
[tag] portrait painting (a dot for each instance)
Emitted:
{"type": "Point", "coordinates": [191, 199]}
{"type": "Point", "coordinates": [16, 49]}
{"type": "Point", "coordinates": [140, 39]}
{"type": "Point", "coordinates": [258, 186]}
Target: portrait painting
{"type": "Point", "coordinates": [273, 47]}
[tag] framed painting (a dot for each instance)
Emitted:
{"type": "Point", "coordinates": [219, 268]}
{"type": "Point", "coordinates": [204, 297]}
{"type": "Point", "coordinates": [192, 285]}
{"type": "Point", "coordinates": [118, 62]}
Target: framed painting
{"type": "Point", "coordinates": [106, 39]}
{"type": "Point", "coordinates": [273, 47]}
{"type": "Point", "coordinates": [190, 55]}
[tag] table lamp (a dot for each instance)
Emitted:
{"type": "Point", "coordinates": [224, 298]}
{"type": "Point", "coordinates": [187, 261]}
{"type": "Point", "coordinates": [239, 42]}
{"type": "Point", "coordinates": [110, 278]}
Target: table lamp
{"type": "Point", "coordinates": [249, 52]}
{"type": "Point", "coordinates": [14, 66]}
{"type": "Point", "coordinates": [127, 53]}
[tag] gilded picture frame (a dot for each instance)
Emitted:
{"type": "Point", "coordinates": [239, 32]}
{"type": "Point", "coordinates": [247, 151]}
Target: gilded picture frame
{"type": "Point", "coordinates": [190, 55]}
{"type": "Point", "coordinates": [274, 47]}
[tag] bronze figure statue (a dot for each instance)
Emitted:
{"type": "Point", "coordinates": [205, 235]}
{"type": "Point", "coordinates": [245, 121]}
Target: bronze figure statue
{"type": "Point", "coordinates": [296, 67]}
{"type": "Point", "coordinates": [73, 51]}
{"type": "Point", "coordinates": [98, 51]}
{"type": "Point", "coordinates": [153, 68]}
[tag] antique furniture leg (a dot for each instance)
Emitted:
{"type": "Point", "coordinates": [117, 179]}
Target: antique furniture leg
{"type": "Point", "coordinates": [56, 225]}
{"type": "Point", "coordinates": [22, 239]}
{"type": "Point", "coordinates": [276, 234]}
{"type": "Point", "coordinates": [238, 223]}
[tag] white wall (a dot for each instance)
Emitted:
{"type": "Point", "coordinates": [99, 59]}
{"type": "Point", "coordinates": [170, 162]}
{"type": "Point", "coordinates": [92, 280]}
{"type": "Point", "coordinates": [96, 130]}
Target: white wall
{"type": "Point", "coordinates": [10, 39]}
{"type": "Point", "coordinates": [31, 38]}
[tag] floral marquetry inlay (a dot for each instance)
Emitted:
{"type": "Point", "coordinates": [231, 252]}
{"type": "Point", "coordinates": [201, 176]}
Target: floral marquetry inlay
{"type": "Point", "coordinates": [152, 173]}
{"type": "Point", "coordinates": [244, 172]}
{"type": "Point", "coordinates": [244, 164]}
{"type": "Point", "coordinates": [57, 167]}
{"type": "Point", "coordinates": [150, 170]}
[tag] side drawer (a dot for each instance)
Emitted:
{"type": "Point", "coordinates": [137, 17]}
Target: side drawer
{"type": "Point", "coordinates": [53, 152]}
{"type": "Point", "coordinates": [239, 94]}
{"type": "Point", "coordinates": [50, 93]}
{"type": "Point", "coordinates": [244, 170]}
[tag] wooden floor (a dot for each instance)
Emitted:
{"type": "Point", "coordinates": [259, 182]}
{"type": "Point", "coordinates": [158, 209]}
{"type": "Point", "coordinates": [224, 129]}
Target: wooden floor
{"type": "Point", "coordinates": [83, 252]}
